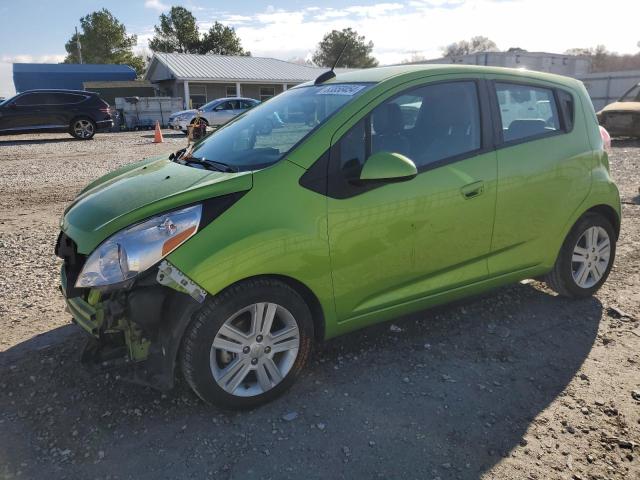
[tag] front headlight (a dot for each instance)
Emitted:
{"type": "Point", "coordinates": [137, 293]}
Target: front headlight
{"type": "Point", "coordinates": [137, 248]}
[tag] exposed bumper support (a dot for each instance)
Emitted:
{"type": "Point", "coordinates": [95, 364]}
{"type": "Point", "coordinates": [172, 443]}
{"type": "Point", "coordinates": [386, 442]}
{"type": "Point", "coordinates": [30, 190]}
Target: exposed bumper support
{"type": "Point", "coordinates": [139, 327]}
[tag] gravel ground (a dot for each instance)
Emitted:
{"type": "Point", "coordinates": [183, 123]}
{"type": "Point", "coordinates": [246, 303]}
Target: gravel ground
{"type": "Point", "coordinates": [517, 384]}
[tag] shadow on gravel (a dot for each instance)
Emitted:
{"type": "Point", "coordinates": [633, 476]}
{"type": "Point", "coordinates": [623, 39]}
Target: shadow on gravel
{"type": "Point", "coordinates": [167, 135]}
{"type": "Point", "coordinates": [447, 394]}
{"type": "Point", "coordinates": [36, 141]}
{"type": "Point", "coordinates": [625, 142]}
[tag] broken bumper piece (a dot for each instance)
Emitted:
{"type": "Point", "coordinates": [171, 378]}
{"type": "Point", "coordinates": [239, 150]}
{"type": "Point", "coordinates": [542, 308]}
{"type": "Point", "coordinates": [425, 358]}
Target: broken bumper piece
{"type": "Point", "coordinates": [136, 328]}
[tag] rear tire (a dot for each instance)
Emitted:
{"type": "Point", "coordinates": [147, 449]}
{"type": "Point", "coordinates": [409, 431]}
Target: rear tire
{"type": "Point", "coordinates": [585, 259]}
{"type": "Point", "coordinates": [247, 345]}
{"type": "Point", "coordinates": [82, 128]}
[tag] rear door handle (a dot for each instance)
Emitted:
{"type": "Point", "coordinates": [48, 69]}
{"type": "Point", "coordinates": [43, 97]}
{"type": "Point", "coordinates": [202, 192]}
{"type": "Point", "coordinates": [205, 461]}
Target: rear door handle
{"type": "Point", "coordinates": [472, 190]}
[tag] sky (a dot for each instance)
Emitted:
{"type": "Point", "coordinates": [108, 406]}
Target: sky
{"type": "Point", "coordinates": [36, 30]}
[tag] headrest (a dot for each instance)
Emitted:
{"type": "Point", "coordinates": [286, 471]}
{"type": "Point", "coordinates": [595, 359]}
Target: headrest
{"type": "Point", "coordinates": [522, 128]}
{"type": "Point", "coordinates": [387, 119]}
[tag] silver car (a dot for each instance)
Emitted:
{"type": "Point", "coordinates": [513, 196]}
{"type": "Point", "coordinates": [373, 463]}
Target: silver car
{"type": "Point", "coordinates": [216, 112]}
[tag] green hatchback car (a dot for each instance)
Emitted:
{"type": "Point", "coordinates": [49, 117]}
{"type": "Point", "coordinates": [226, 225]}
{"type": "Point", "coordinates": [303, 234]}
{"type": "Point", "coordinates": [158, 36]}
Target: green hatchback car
{"type": "Point", "coordinates": [378, 193]}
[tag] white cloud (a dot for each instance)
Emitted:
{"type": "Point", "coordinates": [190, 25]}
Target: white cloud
{"type": "Point", "coordinates": [423, 27]}
{"type": "Point", "coordinates": [237, 19]}
{"type": "Point", "coordinates": [374, 10]}
{"type": "Point", "coordinates": [156, 5]}
{"type": "Point", "coordinates": [6, 68]}
{"type": "Point", "coordinates": [26, 58]}
{"type": "Point", "coordinates": [400, 29]}
{"type": "Point", "coordinates": [6, 80]}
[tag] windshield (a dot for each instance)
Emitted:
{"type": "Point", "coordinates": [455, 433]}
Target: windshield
{"type": "Point", "coordinates": [632, 95]}
{"type": "Point", "coordinates": [266, 133]}
{"type": "Point", "coordinates": [210, 105]}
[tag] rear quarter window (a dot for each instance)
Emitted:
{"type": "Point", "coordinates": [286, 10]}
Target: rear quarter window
{"type": "Point", "coordinates": [567, 107]}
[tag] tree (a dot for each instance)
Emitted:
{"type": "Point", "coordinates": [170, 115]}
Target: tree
{"type": "Point", "coordinates": [104, 39]}
{"type": "Point", "coordinates": [177, 32]}
{"type": "Point", "coordinates": [357, 53]}
{"type": "Point", "coordinates": [415, 58]}
{"type": "Point", "coordinates": [579, 52]}
{"type": "Point", "coordinates": [602, 60]}
{"type": "Point", "coordinates": [465, 47]}
{"type": "Point", "coordinates": [301, 61]}
{"type": "Point", "coordinates": [221, 40]}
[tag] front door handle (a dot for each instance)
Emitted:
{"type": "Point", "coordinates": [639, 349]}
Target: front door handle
{"type": "Point", "coordinates": [472, 190]}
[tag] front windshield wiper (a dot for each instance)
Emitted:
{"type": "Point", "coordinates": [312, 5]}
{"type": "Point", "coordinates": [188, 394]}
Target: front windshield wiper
{"type": "Point", "coordinates": [183, 156]}
{"type": "Point", "coordinates": [223, 167]}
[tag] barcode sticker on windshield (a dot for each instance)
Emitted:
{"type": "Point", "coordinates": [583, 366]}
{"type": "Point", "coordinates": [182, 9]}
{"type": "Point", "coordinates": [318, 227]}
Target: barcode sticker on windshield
{"type": "Point", "coordinates": [340, 90]}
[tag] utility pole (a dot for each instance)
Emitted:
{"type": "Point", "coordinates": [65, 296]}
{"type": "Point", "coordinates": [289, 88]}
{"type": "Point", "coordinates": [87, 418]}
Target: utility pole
{"type": "Point", "coordinates": [78, 46]}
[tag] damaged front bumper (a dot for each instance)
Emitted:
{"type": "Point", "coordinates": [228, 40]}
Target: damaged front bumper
{"type": "Point", "coordinates": [136, 327]}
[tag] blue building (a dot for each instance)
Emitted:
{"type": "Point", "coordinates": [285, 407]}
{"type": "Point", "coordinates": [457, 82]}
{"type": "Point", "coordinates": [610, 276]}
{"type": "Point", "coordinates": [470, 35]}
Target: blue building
{"type": "Point", "coordinates": [28, 76]}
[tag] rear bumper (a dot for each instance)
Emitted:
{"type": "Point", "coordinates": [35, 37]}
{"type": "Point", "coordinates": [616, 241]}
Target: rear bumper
{"type": "Point", "coordinates": [104, 124]}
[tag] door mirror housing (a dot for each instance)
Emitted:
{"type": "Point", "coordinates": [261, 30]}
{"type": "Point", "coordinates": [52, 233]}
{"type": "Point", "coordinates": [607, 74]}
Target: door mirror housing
{"type": "Point", "coordinates": [388, 166]}
{"type": "Point", "coordinates": [12, 105]}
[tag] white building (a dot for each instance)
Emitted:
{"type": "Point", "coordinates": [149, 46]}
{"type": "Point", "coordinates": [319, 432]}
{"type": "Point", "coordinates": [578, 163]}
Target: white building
{"type": "Point", "coordinates": [199, 79]}
{"type": "Point", "coordinates": [569, 65]}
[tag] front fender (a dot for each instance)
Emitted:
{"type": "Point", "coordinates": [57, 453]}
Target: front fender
{"type": "Point", "coordinates": [277, 228]}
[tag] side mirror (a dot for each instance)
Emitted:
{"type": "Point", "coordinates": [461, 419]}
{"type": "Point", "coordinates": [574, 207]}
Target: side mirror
{"type": "Point", "coordinates": [388, 166]}
{"type": "Point", "coordinates": [13, 106]}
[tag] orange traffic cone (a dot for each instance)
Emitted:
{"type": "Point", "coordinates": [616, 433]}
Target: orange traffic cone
{"type": "Point", "coordinates": [157, 137]}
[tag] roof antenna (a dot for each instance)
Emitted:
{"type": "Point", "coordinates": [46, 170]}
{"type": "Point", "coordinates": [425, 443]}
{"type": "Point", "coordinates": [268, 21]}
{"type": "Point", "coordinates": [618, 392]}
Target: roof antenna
{"type": "Point", "coordinates": [329, 74]}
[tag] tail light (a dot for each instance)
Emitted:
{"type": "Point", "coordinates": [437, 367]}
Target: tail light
{"type": "Point", "coordinates": [606, 139]}
{"type": "Point", "coordinates": [105, 108]}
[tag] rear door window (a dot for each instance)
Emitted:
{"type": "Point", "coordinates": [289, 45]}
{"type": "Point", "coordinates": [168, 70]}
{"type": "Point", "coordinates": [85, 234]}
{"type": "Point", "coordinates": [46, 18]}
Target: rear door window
{"type": "Point", "coordinates": [30, 99]}
{"type": "Point", "coordinates": [67, 98]}
{"type": "Point", "coordinates": [526, 111]}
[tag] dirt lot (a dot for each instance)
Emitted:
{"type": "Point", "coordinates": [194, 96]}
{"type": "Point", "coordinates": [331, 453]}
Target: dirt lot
{"type": "Point", "coordinates": [518, 384]}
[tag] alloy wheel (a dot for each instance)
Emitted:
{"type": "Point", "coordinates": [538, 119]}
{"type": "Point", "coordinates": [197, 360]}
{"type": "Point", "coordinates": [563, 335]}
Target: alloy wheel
{"type": "Point", "coordinates": [83, 128]}
{"type": "Point", "coordinates": [255, 349]}
{"type": "Point", "coordinates": [590, 258]}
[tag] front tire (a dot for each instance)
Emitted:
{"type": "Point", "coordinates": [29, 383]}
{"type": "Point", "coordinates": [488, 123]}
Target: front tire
{"type": "Point", "coordinates": [585, 259]}
{"type": "Point", "coordinates": [248, 344]}
{"type": "Point", "coordinates": [82, 128]}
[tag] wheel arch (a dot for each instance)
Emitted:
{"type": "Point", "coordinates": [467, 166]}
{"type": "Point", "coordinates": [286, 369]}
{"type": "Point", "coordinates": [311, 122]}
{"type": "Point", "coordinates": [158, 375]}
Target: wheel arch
{"type": "Point", "coordinates": [78, 117]}
{"type": "Point", "coordinates": [310, 298]}
{"type": "Point", "coordinates": [609, 213]}
{"type": "Point", "coordinates": [179, 312]}
{"type": "Point", "coordinates": [603, 209]}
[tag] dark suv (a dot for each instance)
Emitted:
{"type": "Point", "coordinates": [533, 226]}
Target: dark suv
{"type": "Point", "coordinates": [77, 112]}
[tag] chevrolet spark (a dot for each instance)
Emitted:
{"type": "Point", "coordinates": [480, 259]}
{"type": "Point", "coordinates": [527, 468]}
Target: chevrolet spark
{"type": "Point", "coordinates": [385, 191]}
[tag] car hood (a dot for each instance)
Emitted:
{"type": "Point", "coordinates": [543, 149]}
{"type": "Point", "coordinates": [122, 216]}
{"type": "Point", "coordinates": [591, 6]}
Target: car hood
{"type": "Point", "coordinates": [136, 192]}
{"type": "Point", "coordinates": [622, 107]}
{"type": "Point", "coordinates": [182, 112]}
